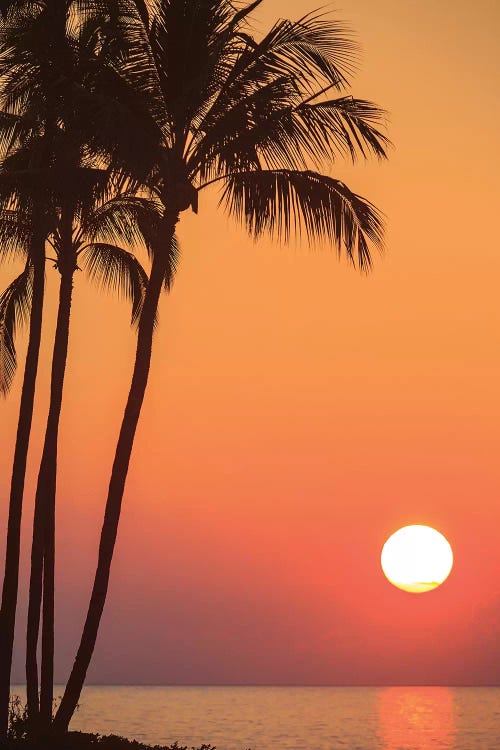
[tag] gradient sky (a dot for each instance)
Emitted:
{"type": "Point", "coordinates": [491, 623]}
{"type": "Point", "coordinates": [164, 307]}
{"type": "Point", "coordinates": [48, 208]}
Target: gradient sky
{"type": "Point", "coordinates": [299, 413]}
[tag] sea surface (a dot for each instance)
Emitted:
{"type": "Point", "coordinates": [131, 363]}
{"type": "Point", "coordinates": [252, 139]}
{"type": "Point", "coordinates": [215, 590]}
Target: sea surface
{"type": "Point", "coordinates": [296, 718]}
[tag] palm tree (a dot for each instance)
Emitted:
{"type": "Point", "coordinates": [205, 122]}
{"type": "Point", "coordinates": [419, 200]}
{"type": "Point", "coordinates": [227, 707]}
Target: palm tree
{"type": "Point", "coordinates": [42, 61]}
{"type": "Point", "coordinates": [15, 32]}
{"type": "Point", "coordinates": [22, 302]}
{"type": "Point", "coordinates": [23, 299]}
{"type": "Point", "coordinates": [89, 238]}
{"type": "Point", "coordinates": [15, 302]}
{"type": "Point", "coordinates": [16, 40]}
{"type": "Point", "coordinates": [89, 234]}
{"type": "Point", "coordinates": [255, 117]}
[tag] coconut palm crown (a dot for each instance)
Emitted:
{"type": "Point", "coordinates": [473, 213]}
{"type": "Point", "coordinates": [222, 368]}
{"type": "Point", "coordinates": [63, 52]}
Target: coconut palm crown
{"type": "Point", "coordinates": [262, 118]}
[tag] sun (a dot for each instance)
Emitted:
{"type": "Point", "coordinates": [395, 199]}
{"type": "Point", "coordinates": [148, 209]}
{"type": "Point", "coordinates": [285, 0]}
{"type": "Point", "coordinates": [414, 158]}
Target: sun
{"type": "Point", "coordinates": [417, 559]}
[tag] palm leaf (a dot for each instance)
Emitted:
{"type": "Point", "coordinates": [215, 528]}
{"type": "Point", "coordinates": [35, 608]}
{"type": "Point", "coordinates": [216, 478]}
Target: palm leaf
{"type": "Point", "coordinates": [350, 125]}
{"type": "Point", "coordinates": [15, 306]}
{"type": "Point", "coordinates": [34, 44]}
{"type": "Point", "coordinates": [316, 51]}
{"type": "Point", "coordinates": [15, 233]}
{"type": "Point", "coordinates": [13, 129]}
{"type": "Point", "coordinates": [315, 47]}
{"type": "Point", "coordinates": [174, 254]}
{"type": "Point", "coordinates": [232, 139]}
{"type": "Point", "coordinates": [142, 10]}
{"type": "Point", "coordinates": [290, 137]}
{"type": "Point", "coordinates": [116, 270]}
{"type": "Point", "coordinates": [122, 124]}
{"type": "Point", "coordinates": [265, 108]}
{"type": "Point", "coordinates": [126, 218]}
{"type": "Point", "coordinates": [281, 201]}
{"type": "Point", "coordinates": [8, 5]}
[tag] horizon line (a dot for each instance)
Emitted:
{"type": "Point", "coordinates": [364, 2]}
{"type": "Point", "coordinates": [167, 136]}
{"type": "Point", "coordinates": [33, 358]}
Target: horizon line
{"type": "Point", "coordinates": [277, 684]}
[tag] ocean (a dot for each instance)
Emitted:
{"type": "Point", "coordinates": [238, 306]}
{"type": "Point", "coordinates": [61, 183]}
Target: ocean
{"type": "Point", "coordinates": [296, 718]}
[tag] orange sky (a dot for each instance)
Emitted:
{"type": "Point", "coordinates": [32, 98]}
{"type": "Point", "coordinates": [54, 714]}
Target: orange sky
{"type": "Point", "coordinates": [298, 413]}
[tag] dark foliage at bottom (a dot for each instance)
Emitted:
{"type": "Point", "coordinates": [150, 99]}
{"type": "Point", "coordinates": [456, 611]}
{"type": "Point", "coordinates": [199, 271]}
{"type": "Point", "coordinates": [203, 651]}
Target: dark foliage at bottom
{"type": "Point", "coordinates": [83, 741]}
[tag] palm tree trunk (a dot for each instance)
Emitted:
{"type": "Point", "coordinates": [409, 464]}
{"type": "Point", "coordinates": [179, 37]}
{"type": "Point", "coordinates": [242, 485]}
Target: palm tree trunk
{"type": "Point", "coordinates": [11, 578]}
{"type": "Point", "coordinates": [123, 452]}
{"type": "Point", "coordinates": [43, 543]}
{"type": "Point", "coordinates": [58, 374]}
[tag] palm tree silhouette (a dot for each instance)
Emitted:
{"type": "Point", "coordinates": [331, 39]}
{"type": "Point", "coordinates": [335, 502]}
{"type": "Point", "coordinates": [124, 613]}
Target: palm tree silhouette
{"type": "Point", "coordinates": [84, 219]}
{"type": "Point", "coordinates": [19, 47]}
{"type": "Point", "coordinates": [21, 302]}
{"type": "Point", "coordinates": [87, 233]}
{"type": "Point", "coordinates": [216, 106]}
{"type": "Point", "coordinates": [23, 226]}
{"type": "Point", "coordinates": [23, 52]}
{"type": "Point", "coordinates": [30, 286]}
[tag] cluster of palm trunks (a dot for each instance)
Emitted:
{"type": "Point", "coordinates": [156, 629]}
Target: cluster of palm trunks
{"type": "Point", "coordinates": [114, 115]}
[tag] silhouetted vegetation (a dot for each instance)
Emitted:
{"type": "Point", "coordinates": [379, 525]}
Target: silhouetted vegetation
{"type": "Point", "coordinates": [82, 741]}
{"type": "Point", "coordinates": [114, 117]}
{"type": "Point", "coordinates": [18, 737]}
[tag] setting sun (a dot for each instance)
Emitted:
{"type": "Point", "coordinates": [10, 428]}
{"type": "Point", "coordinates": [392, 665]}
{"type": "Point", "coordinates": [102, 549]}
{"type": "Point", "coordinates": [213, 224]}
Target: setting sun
{"type": "Point", "coordinates": [417, 559]}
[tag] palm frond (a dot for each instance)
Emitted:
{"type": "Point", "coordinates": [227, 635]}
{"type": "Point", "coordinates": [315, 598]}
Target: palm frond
{"type": "Point", "coordinates": [122, 123]}
{"type": "Point", "coordinates": [316, 50]}
{"type": "Point", "coordinates": [266, 106]}
{"type": "Point", "coordinates": [33, 45]}
{"type": "Point", "coordinates": [15, 233]}
{"type": "Point", "coordinates": [142, 9]}
{"type": "Point", "coordinates": [290, 137]}
{"type": "Point", "coordinates": [117, 270]}
{"type": "Point", "coordinates": [15, 306]}
{"type": "Point", "coordinates": [126, 218]}
{"type": "Point", "coordinates": [14, 129]}
{"type": "Point", "coordinates": [317, 47]}
{"type": "Point", "coordinates": [280, 202]}
{"type": "Point", "coordinates": [43, 168]}
{"type": "Point", "coordinates": [232, 140]}
{"type": "Point", "coordinates": [174, 254]}
{"type": "Point", "coordinates": [239, 19]}
{"type": "Point", "coordinates": [350, 126]}
{"type": "Point", "coordinates": [7, 6]}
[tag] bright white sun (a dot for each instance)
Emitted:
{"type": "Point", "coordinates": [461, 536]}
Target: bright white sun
{"type": "Point", "coordinates": [417, 559]}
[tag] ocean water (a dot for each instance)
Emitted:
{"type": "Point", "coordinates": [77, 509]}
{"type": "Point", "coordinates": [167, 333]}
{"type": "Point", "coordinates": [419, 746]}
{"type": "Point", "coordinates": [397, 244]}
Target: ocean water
{"type": "Point", "coordinates": [296, 718]}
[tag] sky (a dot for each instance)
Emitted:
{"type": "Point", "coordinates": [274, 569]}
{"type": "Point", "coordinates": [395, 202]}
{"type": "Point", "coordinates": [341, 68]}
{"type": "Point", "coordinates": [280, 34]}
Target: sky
{"type": "Point", "coordinates": [298, 413]}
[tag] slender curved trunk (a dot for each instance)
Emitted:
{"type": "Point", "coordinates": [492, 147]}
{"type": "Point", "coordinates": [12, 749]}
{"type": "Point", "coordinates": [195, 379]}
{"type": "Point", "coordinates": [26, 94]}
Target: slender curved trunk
{"type": "Point", "coordinates": [58, 374]}
{"type": "Point", "coordinates": [43, 543]}
{"type": "Point", "coordinates": [119, 472]}
{"type": "Point", "coordinates": [11, 577]}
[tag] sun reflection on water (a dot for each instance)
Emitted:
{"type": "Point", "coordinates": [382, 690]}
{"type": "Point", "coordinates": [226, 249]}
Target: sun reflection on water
{"type": "Point", "coordinates": [416, 718]}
